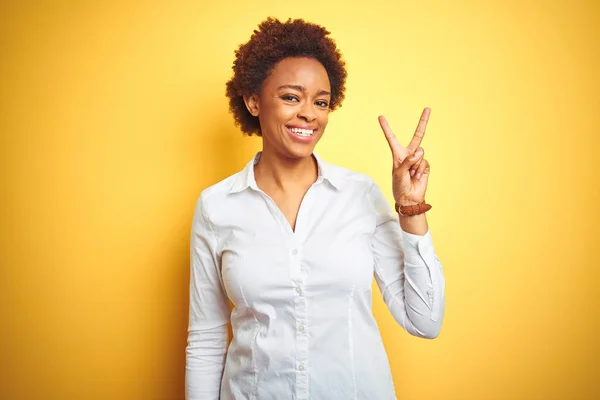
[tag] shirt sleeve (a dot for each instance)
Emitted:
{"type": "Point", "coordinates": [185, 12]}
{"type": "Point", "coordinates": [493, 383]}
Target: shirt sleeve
{"type": "Point", "coordinates": [407, 271]}
{"type": "Point", "coordinates": [209, 312]}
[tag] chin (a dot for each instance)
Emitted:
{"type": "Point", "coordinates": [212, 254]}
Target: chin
{"type": "Point", "coordinates": [300, 150]}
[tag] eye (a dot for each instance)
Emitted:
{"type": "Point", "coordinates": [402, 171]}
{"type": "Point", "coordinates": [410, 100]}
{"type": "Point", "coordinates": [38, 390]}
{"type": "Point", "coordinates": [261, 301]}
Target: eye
{"type": "Point", "coordinates": [289, 97]}
{"type": "Point", "coordinates": [322, 103]}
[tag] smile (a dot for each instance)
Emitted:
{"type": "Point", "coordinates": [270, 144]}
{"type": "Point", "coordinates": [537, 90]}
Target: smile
{"type": "Point", "coordinates": [302, 131]}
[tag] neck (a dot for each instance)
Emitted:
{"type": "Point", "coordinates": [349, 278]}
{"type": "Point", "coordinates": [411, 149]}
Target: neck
{"type": "Point", "coordinates": [284, 173]}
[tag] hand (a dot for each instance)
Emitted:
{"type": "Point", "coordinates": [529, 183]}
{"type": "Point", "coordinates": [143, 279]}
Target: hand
{"type": "Point", "coordinates": [410, 172]}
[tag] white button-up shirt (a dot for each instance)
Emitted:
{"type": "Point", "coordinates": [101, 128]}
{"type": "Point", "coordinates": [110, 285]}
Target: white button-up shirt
{"type": "Point", "coordinates": [302, 322]}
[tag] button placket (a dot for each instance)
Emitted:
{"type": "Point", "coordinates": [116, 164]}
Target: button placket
{"type": "Point", "coordinates": [301, 337]}
{"type": "Point", "coordinates": [298, 275]}
{"type": "Point", "coordinates": [295, 258]}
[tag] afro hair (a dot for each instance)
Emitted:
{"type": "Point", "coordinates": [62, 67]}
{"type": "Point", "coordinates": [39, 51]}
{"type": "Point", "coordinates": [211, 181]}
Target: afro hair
{"type": "Point", "coordinates": [272, 42]}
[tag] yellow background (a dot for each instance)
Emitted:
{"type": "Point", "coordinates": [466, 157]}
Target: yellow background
{"type": "Point", "coordinates": [113, 119]}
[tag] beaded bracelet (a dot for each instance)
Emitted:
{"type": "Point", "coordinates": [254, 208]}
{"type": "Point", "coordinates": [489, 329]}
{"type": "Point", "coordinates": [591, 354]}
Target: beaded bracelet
{"type": "Point", "coordinates": [413, 209]}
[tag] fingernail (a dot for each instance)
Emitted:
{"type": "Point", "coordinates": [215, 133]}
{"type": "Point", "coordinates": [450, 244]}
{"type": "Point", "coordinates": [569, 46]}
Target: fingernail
{"type": "Point", "coordinates": [412, 172]}
{"type": "Point", "coordinates": [419, 175]}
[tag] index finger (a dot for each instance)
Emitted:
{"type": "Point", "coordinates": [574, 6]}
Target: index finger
{"type": "Point", "coordinates": [420, 132]}
{"type": "Point", "coordinates": [395, 145]}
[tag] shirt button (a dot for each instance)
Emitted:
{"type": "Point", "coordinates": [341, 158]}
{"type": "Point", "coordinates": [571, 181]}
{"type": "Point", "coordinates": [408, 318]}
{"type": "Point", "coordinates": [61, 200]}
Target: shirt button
{"type": "Point", "coordinates": [301, 328]}
{"type": "Point", "coordinates": [295, 252]}
{"type": "Point", "coordinates": [298, 290]}
{"type": "Point", "coordinates": [301, 367]}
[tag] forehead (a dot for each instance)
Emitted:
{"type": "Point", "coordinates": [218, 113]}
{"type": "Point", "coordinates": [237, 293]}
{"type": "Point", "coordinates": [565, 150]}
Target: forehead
{"type": "Point", "coordinates": [303, 71]}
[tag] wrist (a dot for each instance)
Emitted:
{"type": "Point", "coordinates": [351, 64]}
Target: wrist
{"type": "Point", "coordinates": [414, 224]}
{"type": "Point", "coordinates": [412, 209]}
{"type": "Point", "coordinates": [406, 202]}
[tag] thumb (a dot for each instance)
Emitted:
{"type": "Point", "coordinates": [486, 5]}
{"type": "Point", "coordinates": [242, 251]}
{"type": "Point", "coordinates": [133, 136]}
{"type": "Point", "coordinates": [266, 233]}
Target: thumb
{"type": "Point", "coordinates": [410, 161]}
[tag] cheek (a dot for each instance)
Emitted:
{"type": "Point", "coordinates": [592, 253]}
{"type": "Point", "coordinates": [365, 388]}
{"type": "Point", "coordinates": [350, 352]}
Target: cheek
{"type": "Point", "coordinates": [324, 119]}
{"type": "Point", "coordinates": [279, 114]}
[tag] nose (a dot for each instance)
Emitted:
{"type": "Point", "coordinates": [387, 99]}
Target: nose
{"type": "Point", "coordinates": [307, 112]}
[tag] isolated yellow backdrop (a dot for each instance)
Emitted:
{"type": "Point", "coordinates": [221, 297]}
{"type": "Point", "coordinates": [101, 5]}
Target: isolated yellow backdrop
{"type": "Point", "coordinates": [113, 119]}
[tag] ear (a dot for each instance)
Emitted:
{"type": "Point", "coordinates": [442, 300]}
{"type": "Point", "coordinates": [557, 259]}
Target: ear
{"type": "Point", "coordinates": [252, 104]}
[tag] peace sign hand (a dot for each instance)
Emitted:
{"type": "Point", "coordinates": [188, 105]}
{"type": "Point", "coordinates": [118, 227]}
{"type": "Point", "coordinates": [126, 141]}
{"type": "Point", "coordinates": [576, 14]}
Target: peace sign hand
{"type": "Point", "coordinates": [411, 171]}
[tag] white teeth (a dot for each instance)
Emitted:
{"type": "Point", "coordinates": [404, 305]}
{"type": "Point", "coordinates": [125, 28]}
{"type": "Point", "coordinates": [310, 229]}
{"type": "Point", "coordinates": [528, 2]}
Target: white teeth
{"type": "Point", "coordinates": [302, 132]}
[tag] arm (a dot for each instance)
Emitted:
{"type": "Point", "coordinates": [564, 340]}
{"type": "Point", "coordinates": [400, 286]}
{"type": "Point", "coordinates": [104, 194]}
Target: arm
{"type": "Point", "coordinates": [209, 313]}
{"type": "Point", "coordinates": [408, 272]}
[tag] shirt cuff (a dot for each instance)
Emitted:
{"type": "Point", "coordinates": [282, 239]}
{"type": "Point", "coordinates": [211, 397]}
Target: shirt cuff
{"type": "Point", "coordinates": [417, 247]}
{"type": "Point", "coordinates": [414, 240]}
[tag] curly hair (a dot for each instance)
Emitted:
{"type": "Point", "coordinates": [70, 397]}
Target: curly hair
{"type": "Point", "coordinates": [273, 41]}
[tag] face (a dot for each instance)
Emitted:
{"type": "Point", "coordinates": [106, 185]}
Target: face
{"type": "Point", "coordinates": [292, 107]}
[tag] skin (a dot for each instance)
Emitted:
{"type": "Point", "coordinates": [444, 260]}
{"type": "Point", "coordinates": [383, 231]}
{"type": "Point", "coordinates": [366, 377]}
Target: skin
{"type": "Point", "coordinates": [297, 94]}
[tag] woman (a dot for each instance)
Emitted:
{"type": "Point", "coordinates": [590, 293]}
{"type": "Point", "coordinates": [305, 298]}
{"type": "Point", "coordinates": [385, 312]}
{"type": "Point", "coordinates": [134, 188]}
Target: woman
{"type": "Point", "coordinates": [293, 242]}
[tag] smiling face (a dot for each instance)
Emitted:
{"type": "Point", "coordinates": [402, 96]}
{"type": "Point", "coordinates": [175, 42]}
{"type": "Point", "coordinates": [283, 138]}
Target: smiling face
{"type": "Point", "coordinates": [292, 107]}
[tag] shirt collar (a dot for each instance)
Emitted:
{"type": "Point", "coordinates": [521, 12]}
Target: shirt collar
{"type": "Point", "coordinates": [245, 179]}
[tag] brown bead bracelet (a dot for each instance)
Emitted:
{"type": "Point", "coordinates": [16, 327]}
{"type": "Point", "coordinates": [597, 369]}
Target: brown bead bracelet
{"type": "Point", "coordinates": [413, 209]}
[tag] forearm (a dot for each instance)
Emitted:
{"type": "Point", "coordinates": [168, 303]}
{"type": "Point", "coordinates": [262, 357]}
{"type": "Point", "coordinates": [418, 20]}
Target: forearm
{"type": "Point", "coordinates": [205, 360]}
{"type": "Point", "coordinates": [424, 283]}
{"type": "Point", "coordinates": [415, 224]}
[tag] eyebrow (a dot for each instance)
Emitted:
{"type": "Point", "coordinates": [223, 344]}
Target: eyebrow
{"type": "Point", "coordinates": [302, 89]}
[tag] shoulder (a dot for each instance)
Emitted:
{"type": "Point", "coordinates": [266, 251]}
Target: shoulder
{"type": "Point", "coordinates": [348, 179]}
{"type": "Point", "coordinates": [358, 185]}
{"type": "Point", "coordinates": [214, 194]}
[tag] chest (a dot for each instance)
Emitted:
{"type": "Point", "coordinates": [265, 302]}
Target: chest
{"type": "Point", "coordinates": [328, 254]}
